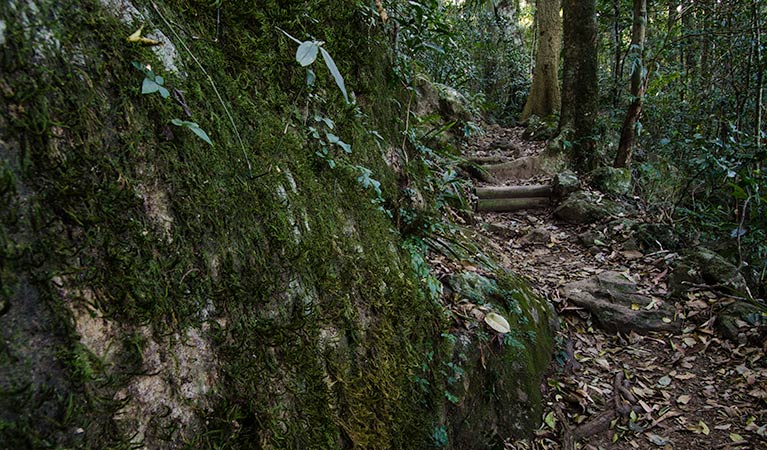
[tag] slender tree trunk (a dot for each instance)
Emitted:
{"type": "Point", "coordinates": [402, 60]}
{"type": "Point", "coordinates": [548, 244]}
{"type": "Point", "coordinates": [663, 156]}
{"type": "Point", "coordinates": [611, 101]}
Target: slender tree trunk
{"type": "Point", "coordinates": [617, 51]}
{"type": "Point", "coordinates": [580, 89]}
{"type": "Point", "coordinates": [544, 98]}
{"type": "Point", "coordinates": [757, 39]}
{"type": "Point", "coordinates": [638, 72]}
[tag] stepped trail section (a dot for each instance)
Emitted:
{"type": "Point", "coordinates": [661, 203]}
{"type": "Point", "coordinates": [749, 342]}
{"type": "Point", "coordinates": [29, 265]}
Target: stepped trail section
{"type": "Point", "coordinates": [653, 373]}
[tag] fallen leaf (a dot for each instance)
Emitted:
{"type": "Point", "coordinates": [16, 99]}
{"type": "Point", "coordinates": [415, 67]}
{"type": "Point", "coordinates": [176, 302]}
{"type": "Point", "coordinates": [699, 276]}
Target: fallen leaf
{"type": "Point", "coordinates": [137, 37]}
{"type": "Point", "coordinates": [550, 420]}
{"type": "Point", "coordinates": [758, 393]}
{"type": "Point", "coordinates": [658, 440]}
{"type": "Point", "coordinates": [735, 437]}
{"type": "Point", "coordinates": [497, 322]}
{"type": "Point", "coordinates": [683, 399]}
{"type": "Point", "coordinates": [685, 376]}
{"type": "Point", "coordinates": [664, 381]}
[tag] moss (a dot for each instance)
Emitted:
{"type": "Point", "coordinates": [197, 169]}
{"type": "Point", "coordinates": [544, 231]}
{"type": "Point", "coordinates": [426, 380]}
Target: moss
{"type": "Point", "coordinates": [317, 322]}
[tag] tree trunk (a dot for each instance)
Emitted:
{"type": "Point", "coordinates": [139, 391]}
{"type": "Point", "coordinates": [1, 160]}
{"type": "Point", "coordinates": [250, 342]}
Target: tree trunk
{"type": "Point", "coordinates": [757, 39]}
{"type": "Point", "coordinates": [615, 34]}
{"type": "Point", "coordinates": [638, 72]}
{"type": "Point", "coordinates": [544, 97]}
{"type": "Point", "coordinates": [580, 90]}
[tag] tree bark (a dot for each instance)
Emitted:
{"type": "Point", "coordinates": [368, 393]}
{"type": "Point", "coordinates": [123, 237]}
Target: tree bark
{"type": "Point", "coordinates": [544, 97]}
{"type": "Point", "coordinates": [580, 90]}
{"type": "Point", "coordinates": [617, 68]}
{"type": "Point", "coordinates": [638, 75]}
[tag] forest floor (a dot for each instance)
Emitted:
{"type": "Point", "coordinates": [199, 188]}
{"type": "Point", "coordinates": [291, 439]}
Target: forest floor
{"type": "Point", "coordinates": [691, 389]}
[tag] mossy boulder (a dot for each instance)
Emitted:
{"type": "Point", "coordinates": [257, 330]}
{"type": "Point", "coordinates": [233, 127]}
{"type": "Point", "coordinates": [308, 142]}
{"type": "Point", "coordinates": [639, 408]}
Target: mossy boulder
{"type": "Point", "coordinates": [493, 378]}
{"type": "Point", "coordinates": [701, 266]}
{"type": "Point", "coordinates": [161, 292]}
{"type": "Point", "coordinates": [585, 207]}
{"type": "Point", "coordinates": [612, 180]}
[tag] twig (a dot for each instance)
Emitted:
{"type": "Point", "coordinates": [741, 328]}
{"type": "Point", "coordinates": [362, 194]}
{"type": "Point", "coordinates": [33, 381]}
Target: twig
{"type": "Point", "coordinates": [212, 83]}
{"type": "Point", "coordinates": [407, 128]}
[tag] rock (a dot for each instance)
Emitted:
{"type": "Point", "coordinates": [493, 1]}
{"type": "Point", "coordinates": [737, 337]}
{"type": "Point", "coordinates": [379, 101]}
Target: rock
{"type": "Point", "coordinates": [591, 238]}
{"type": "Point", "coordinates": [585, 207]}
{"type": "Point", "coordinates": [616, 305]}
{"type": "Point", "coordinates": [495, 392]}
{"type": "Point", "coordinates": [472, 286]}
{"type": "Point", "coordinates": [702, 266]}
{"type": "Point", "coordinates": [743, 322]}
{"type": "Point", "coordinates": [536, 236]}
{"type": "Point", "coordinates": [501, 229]}
{"type": "Point", "coordinates": [435, 99]}
{"type": "Point", "coordinates": [565, 183]}
{"type": "Point", "coordinates": [611, 180]}
{"type": "Point", "coordinates": [452, 104]}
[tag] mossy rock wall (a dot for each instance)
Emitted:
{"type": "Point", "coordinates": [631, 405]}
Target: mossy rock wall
{"type": "Point", "coordinates": [162, 292]}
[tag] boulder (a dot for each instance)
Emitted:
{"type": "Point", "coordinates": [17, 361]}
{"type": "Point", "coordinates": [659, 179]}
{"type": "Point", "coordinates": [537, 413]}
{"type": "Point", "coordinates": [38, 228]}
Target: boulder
{"type": "Point", "coordinates": [612, 180]}
{"type": "Point", "coordinates": [743, 322]}
{"type": "Point", "coordinates": [701, 266]}
{"type": "Point", "coordinates": [586, 207]}
{"type": "Point", "coordinates": [616, 305]}
{"type": "Point", "coordinates": [492, 386]}
{"type": "Point", "coordinates": [565, 183]}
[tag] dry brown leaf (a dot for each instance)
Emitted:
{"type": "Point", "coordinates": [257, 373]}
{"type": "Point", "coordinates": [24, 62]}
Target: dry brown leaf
{"type": "Point", "coordinates": [685, 376]}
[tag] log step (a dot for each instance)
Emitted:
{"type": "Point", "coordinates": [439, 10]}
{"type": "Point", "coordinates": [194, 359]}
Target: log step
{"type": "Point", "coordinates": [500, 192]}
{"type": "Point", "coordinates": [511, 204]}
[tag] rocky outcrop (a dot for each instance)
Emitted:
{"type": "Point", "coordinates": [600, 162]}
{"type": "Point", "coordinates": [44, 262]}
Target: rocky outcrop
{"type": "Point", "coordinates": [616, 304]}
{"type": "Point", "coordinates": [161, 291]}
{"type": "Point", "coordinates": [585, 207]}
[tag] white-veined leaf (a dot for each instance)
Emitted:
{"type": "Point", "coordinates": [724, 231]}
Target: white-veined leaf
{"type": "Point", "coordinates": [307, 52]}
{"type": "Point", "coordinates": [334, 71]}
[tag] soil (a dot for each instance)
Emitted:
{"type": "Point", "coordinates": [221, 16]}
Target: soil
{"type": "Point", "coordinates": [690, 389]}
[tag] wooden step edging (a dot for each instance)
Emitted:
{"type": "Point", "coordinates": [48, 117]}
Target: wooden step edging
{"type": "Point", "coordinates": [494, 192]}
{"type": "Point", "coordinates": [513, 198]}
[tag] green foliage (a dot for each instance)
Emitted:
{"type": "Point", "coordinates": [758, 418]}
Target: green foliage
{"type": "Point", "coordinates": [306, 54]}
{"type": "Point", "coordinates": [473, 49]}
{"type": "Point", "coordinates": [440, 437]}
{"type": "Point", "coordinates": [194, 127]}
{"type": "Point", "coordinates": [152, 83]}
{"type": "Point", "coordinates": [155, 83]}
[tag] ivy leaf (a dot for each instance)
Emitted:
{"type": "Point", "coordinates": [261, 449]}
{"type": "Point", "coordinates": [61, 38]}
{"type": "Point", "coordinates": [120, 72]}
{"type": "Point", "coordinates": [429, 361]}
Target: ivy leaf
{"type": "Point", "coordinates": [307, 52]}
{"type": "Point", "coordinates": [149, 86]}
{"type": "Point", "coordinates": [334, 71]}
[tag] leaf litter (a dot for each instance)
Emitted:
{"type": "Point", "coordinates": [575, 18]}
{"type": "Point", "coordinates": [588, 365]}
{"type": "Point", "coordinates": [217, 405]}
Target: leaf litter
{"type": "Point", "coordinates": [690, 389]}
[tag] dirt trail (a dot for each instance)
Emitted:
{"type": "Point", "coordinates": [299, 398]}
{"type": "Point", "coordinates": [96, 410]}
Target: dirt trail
{"type": "Point", "coordinates": [690, 389]}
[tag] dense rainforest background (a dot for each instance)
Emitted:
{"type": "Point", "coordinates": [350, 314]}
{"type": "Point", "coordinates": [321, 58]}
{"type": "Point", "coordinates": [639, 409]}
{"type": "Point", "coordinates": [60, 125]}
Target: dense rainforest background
{"type": "Point", "coordinates": [274, 224]}
{"type": "Point", "coordinates": [684, 79]}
